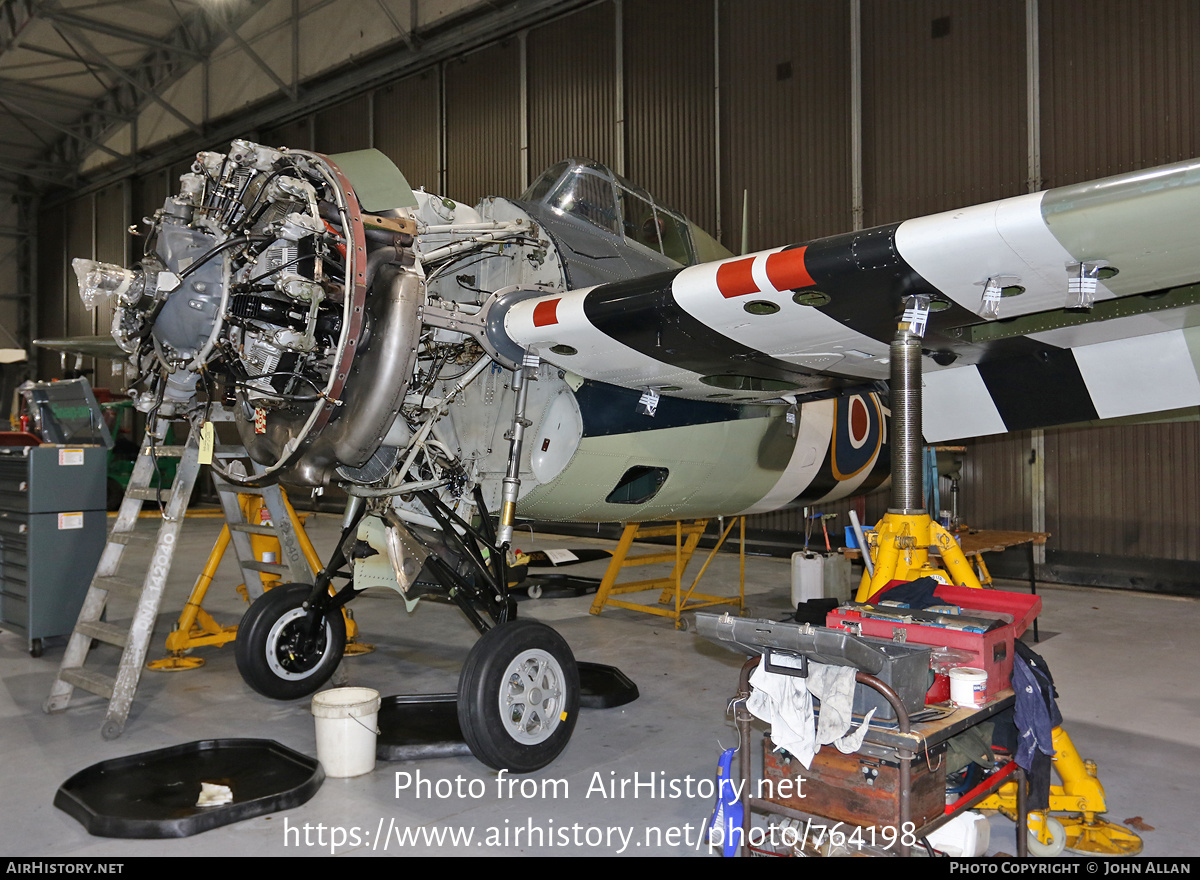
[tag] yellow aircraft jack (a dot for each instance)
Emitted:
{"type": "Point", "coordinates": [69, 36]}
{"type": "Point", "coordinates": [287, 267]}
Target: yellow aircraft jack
{"type": "Point", "coordinates": [899, 549]}
{"type": "Point", "coordinates": [197, 628]}
{"type": "Point", "coordinates": [1078, 800]}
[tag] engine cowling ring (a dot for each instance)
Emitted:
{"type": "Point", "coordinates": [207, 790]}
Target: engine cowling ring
{"type": "Point", "coordinates": [349, 425]}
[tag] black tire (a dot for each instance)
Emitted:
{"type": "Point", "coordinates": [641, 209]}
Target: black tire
{"type": "Point", "coordinates": [518, 696]}
{"type": "Point", "coordinates": [267, 645]}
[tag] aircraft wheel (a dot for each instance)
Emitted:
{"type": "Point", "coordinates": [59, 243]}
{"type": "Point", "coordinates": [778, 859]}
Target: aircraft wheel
{"type": "Point", "coordinates": [1054, 846]}
{"type": "Point", "coordinates": [518, 695]}
{"type": "Point", "coordinates": [268, 651]}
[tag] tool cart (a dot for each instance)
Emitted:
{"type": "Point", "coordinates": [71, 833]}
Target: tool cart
{"type": "Point", "coordinates": [890, 793]}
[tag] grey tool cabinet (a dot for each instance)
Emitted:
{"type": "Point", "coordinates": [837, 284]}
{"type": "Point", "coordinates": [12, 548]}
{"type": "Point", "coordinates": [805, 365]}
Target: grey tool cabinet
{"type": "Point", "coordinates": [53, 527]}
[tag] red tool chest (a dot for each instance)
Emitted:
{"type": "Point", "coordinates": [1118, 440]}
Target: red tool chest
{"type": "Point", "coordinates": [990, 651]}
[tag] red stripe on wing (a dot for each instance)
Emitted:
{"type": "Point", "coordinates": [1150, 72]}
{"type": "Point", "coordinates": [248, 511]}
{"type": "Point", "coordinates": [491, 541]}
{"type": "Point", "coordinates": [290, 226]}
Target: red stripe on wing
{"type": "Point", "coordinates": [545, 313]}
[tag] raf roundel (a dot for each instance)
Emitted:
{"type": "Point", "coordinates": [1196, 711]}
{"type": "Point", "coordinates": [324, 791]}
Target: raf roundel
{"type": "Point", "coordinates": [857, 435]}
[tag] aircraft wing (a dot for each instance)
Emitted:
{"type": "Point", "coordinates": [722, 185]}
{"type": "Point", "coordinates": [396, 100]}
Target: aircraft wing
{"type": "Point", "coordinates": [808, 320]}
{"type": "Point", "coordinates": [88, 346]}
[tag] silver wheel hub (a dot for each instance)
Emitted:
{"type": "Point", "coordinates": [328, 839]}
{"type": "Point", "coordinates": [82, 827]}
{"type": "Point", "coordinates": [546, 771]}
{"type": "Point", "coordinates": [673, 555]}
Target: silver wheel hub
{"type": "Point", "coordinates": [283, 634]}
{"type": "Point", "coordinates": [532, 697]}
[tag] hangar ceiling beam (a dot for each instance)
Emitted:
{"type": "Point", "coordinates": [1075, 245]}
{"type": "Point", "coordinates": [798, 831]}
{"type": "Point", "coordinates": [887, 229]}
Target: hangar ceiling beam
{"type": "Point", "coordinates": [491, 22]}
{"type": "Point", "coordinates": [407, 34]}
{"type": "Point", "coordinates": [94, 59]}
{"type": "Point", "coordinates": [85, 23]}
{"type": "Point", "coordinates": [292, 89]}
{"type": "Point", "coordinates": [18, 110]}
{"type": "Point", "coordinates": [53, 97]}
{"type": "Point", "coordinates": [90, 120]}
{"type": "Point", "coordinates": [47, 173]}
{"type": "Point", "coordinates": [15, 16]}
{"type": "Point", "coordinates": [96, 118]}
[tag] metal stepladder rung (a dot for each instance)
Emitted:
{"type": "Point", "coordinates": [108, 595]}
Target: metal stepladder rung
{"type": "Point", "coordinates": [252, 529]}
{"type": "Point", "coordinates": [94, 682]}
{"type": "Point", "coordinates": [148, 494]}
{"type": "Point", "coordinates": [135, 640]}
{"type": "Point", "coordinates": [294, 565]}
{"type": "Point", "coordinates": [134, 539]}
{"type": "Point", "coordinates": [109, 633]}
{"type": "Point", "coordinates": [267, 567]}
{"type": "Point", "coordinates": [115, 586]}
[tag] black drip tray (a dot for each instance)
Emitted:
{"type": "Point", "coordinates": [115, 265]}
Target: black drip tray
{"type": "Point", "coordinates": [414, 726]}
{"type": "Point", "coordinates": [154, 794]}
{"type": "Point", "coordinates": [604, 687]}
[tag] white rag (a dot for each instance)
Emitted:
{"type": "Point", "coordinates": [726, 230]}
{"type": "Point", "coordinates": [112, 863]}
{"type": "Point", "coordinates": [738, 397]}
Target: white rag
{"type": "Point", "coordinates": [213, 794]}
{"type": "Point", "coordinates": [785, 702]}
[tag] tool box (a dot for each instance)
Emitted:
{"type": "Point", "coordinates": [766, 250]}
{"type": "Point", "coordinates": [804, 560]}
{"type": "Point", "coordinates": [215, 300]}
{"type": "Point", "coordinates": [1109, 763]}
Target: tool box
{"type": "Point", "coordinates": [984, 642]}
{"type": "Point", "coordinates": [904, 668]}
{"type": "Point", "coordinates": [861, 789]}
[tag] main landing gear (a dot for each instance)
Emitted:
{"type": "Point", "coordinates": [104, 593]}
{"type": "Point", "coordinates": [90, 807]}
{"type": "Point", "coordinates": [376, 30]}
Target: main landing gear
{"type": "Point", "coordinates": [275, 653]}
{"type": "Point", "coordinates": [518, 692]}
{"type": "Point", "coordinates": [518, 695]}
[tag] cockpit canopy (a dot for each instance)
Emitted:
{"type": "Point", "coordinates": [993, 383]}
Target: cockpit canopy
{"type": "Point", "coordinates": [589, 191]}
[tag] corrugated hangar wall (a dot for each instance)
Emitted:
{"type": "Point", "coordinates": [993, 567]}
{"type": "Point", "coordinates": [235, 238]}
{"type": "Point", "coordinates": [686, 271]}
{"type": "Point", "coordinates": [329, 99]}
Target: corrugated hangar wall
{"type": "Point", "coordinates": [826, 115]}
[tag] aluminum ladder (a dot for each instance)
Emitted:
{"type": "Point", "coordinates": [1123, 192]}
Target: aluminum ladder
{"type": "Point", "coordinates": [294, 566]}
{"type": "Point", "coordinates": [134, 637]}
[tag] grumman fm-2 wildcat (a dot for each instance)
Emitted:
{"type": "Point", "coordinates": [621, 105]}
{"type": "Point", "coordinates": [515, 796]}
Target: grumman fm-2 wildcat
{"type": "Point", "coordinates": [584, 353]}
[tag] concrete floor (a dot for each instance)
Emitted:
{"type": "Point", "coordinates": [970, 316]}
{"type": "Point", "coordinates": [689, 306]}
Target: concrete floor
{"type": "Point", "coordinates": [1122, 663]}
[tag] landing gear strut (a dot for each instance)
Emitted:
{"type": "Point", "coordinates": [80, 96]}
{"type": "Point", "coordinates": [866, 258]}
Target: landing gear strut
{"type": "Point", "coordinates": [518, 692]}
{"type": "Point", "coordinates": [901, 541]}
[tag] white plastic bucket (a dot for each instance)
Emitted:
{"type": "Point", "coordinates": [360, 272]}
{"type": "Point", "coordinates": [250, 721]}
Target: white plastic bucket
{"type": "Point", "coordinates": [346, 721]}
{"type": "Point", "coordinates": [967, 686]}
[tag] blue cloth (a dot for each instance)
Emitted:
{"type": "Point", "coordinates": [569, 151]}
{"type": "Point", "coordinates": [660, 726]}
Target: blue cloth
{"type": "Point", "coordinates": [1036, 715]}
{"type": "Point", "coordinates": [915, 594]}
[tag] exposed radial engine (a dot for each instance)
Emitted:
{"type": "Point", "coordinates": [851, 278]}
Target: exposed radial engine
{"type": "Point", "coordinates": [324, 303]}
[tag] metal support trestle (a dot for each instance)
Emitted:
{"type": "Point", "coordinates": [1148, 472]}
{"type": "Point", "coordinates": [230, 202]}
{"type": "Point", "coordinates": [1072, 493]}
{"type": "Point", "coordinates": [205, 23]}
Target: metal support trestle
{"type": "Point", "coordinates": [673, 595]}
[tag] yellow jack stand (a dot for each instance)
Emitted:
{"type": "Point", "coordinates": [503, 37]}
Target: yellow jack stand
{"type": "Point", "coordinates": [672, 586]}
{"type": "Point", "coordinates": [899, 548]}
{"type": "Point", "coordinates": [197, 628]}
{"type": "Point", "coordinates": [1078, 800]}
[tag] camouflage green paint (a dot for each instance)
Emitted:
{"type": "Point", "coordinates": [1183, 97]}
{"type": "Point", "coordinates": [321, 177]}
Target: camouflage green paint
{"type": "Point", "coordinates": [716, 468]}
{"type": "Point", "coordinates": [1126, 219]}
{"type": "Point", "coordinates": [379, 184]}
